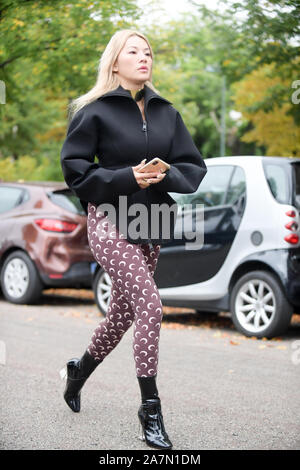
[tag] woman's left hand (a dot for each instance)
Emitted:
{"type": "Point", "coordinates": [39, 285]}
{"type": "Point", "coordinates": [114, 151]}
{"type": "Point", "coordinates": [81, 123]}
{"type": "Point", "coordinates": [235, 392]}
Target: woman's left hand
{"type": "Point", "coordinates": [141, 178]}
{"type": "Point", "coordinates": [158, 178]}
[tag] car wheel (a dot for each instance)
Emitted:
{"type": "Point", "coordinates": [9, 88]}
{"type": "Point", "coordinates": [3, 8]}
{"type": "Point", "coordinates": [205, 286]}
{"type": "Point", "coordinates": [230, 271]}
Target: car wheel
{"type": "Point", "coordinates": [102, 290]}
{"type": "Point", "coordinates": [20, 280]}
{"type": "Point", "coordinates": [258, 305]}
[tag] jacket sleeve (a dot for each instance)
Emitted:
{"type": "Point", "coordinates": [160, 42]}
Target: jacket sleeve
{"type": "Point", "coordinates": [187, 166]}
{"type": "Point", "coordinates": [88, 180]}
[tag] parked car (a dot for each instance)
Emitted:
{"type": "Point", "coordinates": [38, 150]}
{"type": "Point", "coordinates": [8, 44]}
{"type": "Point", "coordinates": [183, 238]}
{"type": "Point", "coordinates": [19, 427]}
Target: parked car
{"type": "Point", "coordinates": [43, 240]}
{"type": "Point", "coordinates": [249, 263]}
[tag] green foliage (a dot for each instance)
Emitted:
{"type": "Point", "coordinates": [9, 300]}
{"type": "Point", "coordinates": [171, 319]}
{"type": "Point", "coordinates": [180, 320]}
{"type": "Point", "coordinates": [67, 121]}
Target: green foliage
{"type": "Point", "coordinates": [255, 33]}
{"type": "Point", "coordinates": [49, 55]}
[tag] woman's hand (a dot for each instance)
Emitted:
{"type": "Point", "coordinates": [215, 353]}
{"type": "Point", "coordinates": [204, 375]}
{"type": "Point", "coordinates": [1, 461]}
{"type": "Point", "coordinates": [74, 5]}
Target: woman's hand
{"type": "Point", "coordinates": [145, 179]}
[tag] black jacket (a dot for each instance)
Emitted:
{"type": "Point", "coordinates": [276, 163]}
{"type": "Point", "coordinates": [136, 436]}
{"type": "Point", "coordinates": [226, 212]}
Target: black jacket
{"type": "Point", "coordinates": [112, 128]}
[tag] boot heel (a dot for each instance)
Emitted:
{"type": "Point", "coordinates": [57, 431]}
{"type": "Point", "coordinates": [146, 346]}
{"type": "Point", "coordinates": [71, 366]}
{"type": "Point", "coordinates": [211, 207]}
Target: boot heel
{"type": "Point", "coordinates": [141, 433]}
{"type": "Point", "coordinates": [63, 373]}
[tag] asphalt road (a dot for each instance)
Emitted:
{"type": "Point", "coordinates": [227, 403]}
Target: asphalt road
{"type": "Point", "coordinates": [218, 389]}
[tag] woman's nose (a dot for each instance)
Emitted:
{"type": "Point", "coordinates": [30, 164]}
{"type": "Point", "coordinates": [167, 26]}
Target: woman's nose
{"type": "Point", "coordinates": [143, 57]}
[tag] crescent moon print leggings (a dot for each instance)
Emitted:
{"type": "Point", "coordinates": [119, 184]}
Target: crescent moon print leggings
{"type": "Point", "coordinates": [134, 294]}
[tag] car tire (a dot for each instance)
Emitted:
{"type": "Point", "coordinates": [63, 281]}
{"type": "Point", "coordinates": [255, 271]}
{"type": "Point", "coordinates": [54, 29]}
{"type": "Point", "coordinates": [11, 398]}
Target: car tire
{"type": "Point", "coordinates": [20, 281]}
{"type": "Point", "coordinates": [102, 290]}
{"type": "Point", "coordinates": [259, 306]}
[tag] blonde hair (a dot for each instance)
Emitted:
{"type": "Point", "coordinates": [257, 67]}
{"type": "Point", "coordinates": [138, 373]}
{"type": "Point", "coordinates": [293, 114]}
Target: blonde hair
{"type": "Point", "coordinates": [106, 79]}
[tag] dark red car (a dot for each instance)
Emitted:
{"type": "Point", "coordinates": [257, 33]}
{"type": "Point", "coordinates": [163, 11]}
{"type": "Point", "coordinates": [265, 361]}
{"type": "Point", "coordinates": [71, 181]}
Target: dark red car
{"type": "Point", "coordinates": [43, 240]}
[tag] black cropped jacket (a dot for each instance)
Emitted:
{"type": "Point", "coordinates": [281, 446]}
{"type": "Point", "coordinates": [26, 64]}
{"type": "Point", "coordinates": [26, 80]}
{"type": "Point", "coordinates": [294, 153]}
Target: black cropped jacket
{"type": "Point", "coordinates": [112, 129]}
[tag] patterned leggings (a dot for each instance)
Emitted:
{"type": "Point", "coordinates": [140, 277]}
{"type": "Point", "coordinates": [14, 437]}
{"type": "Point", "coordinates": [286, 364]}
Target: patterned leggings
{"type": "Point", "coordinates": [134, 294]}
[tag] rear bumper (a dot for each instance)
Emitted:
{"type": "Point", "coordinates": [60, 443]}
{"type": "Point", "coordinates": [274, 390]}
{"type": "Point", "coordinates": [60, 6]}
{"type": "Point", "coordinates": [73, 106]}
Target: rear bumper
{"type": "Point", "coordinates": [79, 275]}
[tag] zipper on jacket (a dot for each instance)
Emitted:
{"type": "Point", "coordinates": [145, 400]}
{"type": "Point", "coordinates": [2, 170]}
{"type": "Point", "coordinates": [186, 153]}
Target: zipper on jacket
{"type": "Point", "coordinates": [146, 135]}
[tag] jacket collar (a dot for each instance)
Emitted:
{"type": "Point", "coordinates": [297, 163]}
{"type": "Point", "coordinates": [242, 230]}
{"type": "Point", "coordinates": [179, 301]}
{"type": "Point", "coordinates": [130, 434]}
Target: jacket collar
{"type": "Point", "coordinates": [149, 94]}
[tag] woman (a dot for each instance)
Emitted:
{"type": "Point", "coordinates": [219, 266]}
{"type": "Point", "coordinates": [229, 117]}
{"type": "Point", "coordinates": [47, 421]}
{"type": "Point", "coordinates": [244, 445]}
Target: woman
{"type": "Point", "coordinates": [121, 120]}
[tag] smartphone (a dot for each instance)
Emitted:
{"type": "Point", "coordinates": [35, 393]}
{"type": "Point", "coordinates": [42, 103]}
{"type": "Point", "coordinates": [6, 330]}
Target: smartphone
{"type": "Point", "coordinates": [156, 164]}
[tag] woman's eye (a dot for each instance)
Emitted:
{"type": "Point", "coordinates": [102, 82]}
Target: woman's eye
{"type": "Point", "coordinates": [134, 52]}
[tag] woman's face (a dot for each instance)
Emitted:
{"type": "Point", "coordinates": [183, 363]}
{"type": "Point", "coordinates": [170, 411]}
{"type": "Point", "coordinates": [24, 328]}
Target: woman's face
{"type": "Point", "coordinates": [134, 63]}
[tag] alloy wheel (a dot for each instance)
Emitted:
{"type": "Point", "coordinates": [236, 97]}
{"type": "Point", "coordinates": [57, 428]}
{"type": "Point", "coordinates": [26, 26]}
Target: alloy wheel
{"type": "Point", "coordinates": [255, 305]}
{"type": "Point", "coordinates": [16, 278]}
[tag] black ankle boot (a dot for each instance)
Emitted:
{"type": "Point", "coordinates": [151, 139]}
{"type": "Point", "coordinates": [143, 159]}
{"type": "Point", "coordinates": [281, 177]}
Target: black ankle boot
{"type": "Point", "coordinates": [78, 370]}
{"type": "Point", "coordinates": [150, 415]}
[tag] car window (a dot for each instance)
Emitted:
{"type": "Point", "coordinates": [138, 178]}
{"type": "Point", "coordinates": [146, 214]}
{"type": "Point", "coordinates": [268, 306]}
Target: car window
{"type": "Point", "coordinates": [278, 182]}
{"type": "Point", "coordinates": [10, 198]}
{"type": "Point", "coordinates": [237, 186]}
{"type": "Point", "coordinates": [296, 170]}
{"type": "Point", "coordinates": [67, 200]}
{"type": "Point", "coordinates": [212, 189]}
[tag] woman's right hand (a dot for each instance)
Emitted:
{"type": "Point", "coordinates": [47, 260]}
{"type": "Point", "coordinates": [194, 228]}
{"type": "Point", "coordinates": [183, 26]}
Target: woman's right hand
{"type": "Point", "coordinates": [151, 177]}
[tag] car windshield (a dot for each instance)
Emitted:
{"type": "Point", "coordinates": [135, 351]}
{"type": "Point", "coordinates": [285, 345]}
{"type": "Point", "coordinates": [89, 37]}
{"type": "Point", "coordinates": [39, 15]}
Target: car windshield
{"type": "Point", "coordinates": [67, 200]}
{"type": "Point", "coordinates": [296, 171]}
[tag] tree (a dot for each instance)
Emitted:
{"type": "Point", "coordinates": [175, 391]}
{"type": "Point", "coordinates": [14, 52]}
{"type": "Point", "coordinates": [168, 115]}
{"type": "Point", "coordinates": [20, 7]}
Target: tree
{"type": "Point", "coordinates": [263, 32]}
{"type": "Point", "coordinates": [49, 54]}
{"type": "Point", "coordinates": [275, 128]}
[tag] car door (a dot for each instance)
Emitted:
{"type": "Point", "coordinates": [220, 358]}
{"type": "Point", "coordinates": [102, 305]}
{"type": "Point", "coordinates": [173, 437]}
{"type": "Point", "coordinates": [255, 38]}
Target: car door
{"type": "Point", "coordinates": [222, 198]}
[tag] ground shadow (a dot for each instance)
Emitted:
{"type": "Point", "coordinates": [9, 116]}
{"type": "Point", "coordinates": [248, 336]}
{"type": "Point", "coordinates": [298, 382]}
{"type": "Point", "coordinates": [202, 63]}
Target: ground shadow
{"type": "Point", "coordinates": [220, 320]}
{"type": "Point", "coordinates": [67, 297]}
